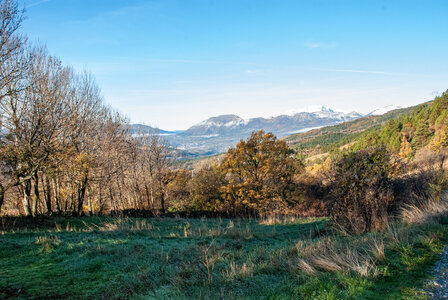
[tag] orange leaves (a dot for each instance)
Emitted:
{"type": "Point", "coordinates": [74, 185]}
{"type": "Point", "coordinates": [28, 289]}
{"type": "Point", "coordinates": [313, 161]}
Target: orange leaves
{"type": "Point", "coordinates": [260, 172]}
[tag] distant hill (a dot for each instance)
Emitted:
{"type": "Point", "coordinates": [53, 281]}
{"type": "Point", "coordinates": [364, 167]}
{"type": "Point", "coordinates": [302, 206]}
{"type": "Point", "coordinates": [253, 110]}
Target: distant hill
{"type": "Point", "coordinates": [233, 125]}
{"type": "Point", "coordinates": [141, 128]}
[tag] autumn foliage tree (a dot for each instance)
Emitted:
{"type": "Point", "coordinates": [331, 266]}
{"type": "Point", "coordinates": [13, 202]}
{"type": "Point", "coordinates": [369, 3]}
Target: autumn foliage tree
{"type": "Point", "coordinates": [260, 175]}
{"type": "Point", "coordinates": [206, 186]}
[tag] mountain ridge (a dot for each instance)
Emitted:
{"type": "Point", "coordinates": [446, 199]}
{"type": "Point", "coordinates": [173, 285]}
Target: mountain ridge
{"type": "Point", "coordinates": [283, 124]}
{"type": "Point", "coordinates": [217, 134]}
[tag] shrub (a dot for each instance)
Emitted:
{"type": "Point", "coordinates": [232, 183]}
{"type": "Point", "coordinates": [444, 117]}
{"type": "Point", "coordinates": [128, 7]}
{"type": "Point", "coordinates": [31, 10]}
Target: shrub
{"type": "Point", "coordinates": [361, 190]}
{"type": "Point", "coordinates": [205, 190]}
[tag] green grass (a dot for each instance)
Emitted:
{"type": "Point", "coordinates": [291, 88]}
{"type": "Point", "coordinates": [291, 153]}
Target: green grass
{"type": "Point", "coordinates": [202, 259]}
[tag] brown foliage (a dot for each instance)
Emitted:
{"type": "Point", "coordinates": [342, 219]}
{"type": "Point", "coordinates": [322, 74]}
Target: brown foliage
{"type": "Point", "coordinates": [206, 188]}
{"type": "Point", "coordinates": [361, 190]}
{"type": "Point", "coordinates": [260, 174]}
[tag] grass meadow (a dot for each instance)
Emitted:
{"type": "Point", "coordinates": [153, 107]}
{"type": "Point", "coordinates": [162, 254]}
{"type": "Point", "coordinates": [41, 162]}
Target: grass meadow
{"type": "Point", "coordinates": [175, 258]}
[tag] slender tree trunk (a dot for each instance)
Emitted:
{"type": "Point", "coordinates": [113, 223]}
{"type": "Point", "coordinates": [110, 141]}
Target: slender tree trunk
{"type": "Point", "coordinates": [151, 190]}
{"type": "Point", "coordinates": [90, 202]}
{"type": "Point", "coordinates": [162, 201]}
{"type": "Point", "coordinates": [148, 197]}
{"type": "Point", "coordinates": [100, 198]}
{"type": "Point", "coordinates": [128, 203]}
{"type": "Point", "coordinates": [137, 200]}
{"type": "Point", "coordinates": [44, 192]}
{"type": "Point", "coordinates": [81, 195]}
{"type": "Point", "coordinates": [26, 197]}
{"type": "Point", "coordinates": [152, 197]}
{"type": "Point", "coordinates": [36, 195]}
{"type": "Point", "coordinates": [55, 192]}
{"type": "Point", "coordinates": [46, 187]}
{"type": "Point", "coordinates": [112, 201]}
{"type": "Point", "coordinates": [2, 197]}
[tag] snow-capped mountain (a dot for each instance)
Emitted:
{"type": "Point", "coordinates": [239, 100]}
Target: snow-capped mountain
{"type": "Point", "coordinates": [292, 121]}
{"type": "Point", "coordinates": [383, 110]}
{"type": "Point", "coordinates": [321, 111]}
{"type": "Point", "coordinates": [217, 125]}
{"type": "Point", "coordinates": [217, 134]}
{"type": "Point", "coordinates": [310, 109]}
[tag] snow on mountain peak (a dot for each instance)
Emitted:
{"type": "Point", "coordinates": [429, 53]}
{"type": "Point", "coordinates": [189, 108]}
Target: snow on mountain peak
{"type": "Point", "coordinates": [310, 109]}
{"type": "Point", "coordinates": [223, 121]}
{"type": "Point", "coordinates": [383, 110]}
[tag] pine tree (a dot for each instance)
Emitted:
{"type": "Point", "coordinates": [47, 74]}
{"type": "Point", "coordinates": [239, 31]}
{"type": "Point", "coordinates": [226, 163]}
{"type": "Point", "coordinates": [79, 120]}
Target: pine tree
{"type": "Point", "coordinates": [421, 135]}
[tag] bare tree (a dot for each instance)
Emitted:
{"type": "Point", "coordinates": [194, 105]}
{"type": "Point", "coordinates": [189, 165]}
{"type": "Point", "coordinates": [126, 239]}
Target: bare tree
{"type": "Point", "coordinates": [13, 63]}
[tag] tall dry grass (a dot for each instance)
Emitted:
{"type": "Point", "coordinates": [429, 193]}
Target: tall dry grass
{"type": "Point", "coordinates": [332, 255]}
{"type": "Point", "coordinates": [363, 253]}
{"type": "Point", "coordinates": [431, 211]}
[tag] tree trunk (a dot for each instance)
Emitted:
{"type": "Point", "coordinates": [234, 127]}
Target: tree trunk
{"type": "Point", "coordinates": [100, 199]}
{"type": "Point", "coordinates": [148, 197]}
{"type": "Point", "coordinates": [112, 202]}
{"type": "Point", "coordinates": [36, 195]}
{"type": "Point", "coordinates": [81, 194]}
{"type": "Point", "coordinates": [90, 202]}
{"type": "Point", "coordinates": [162, 201]}
{"type": "Point", "coordinates": [55, 193]}
{"type": "Point", "coordinates": [2, 197]}
{"type": "Point", "coordinates": [47, 192]}
{"type": "Point", "coordinates": [26, 197]}
{"type": "Point", "coordinates": [137, 199]}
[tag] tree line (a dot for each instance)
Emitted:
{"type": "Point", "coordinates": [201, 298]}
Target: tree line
{"type": "Point", "coordinates": [62, 150]}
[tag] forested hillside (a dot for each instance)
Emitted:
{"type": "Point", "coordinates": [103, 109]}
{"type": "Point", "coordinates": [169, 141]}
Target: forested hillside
{"type": "Point", "coordinates": [403, 132]}
{"type": "Point", "coordinates": [328, 138]}
{"type": "Point", "coordinates": [424, 126]}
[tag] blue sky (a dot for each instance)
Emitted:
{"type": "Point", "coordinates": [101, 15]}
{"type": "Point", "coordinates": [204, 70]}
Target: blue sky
{"type": "Point", "coordinates": [174, 63]}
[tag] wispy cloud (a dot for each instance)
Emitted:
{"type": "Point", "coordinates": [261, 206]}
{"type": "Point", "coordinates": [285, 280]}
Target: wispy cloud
{"type": "Point", "coordinates": [363, 71]}
{"type": "Point", "coordinates": [211, 62]}
{"type": "Point", "coordinates": [315, 45]}
{"type": "Point", "coordinates": [37, 3]}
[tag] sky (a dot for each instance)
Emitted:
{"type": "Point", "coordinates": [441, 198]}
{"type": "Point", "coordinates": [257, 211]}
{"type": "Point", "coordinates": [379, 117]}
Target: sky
{"type": "Point", "coordinates": [173, 63]}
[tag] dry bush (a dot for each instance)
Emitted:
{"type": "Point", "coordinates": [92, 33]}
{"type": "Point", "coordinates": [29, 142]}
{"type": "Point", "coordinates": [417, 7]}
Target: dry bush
{"type": "Point", "coordinates": [361, 189]}
{"type": "Point", "coordinates": [417, 186]}
{"type": "Point", "coordinates": [427, 158]}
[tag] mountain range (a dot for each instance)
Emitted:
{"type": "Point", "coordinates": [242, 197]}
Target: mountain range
{"type": "Point", "coordinates": [219, 133]}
